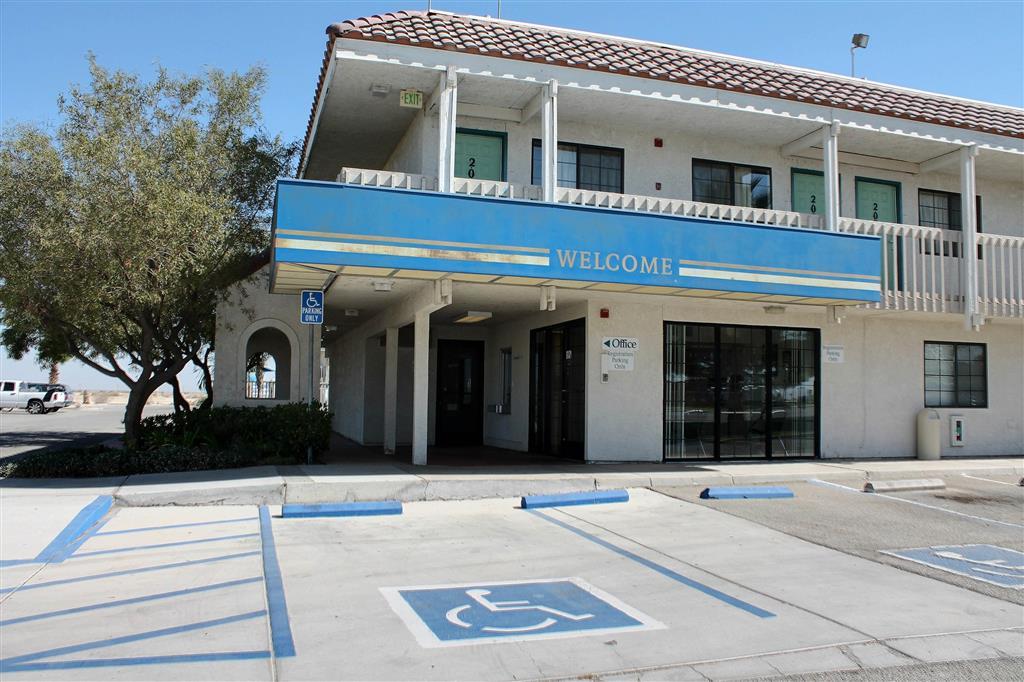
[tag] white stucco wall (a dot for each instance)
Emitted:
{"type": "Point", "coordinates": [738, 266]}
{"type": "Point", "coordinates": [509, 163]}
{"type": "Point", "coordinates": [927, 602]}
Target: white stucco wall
{"type": "Point", "coordinates": [249, 307]}
{"type": "Point", "coordinates": [671, 165]}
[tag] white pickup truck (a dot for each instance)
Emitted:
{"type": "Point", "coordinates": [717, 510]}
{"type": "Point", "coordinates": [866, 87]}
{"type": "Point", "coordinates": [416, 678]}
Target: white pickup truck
{"type": "Point", "coordinates": [36, 398]}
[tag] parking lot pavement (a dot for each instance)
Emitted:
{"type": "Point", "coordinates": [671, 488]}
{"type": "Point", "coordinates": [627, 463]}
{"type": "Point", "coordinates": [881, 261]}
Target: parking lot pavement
{"type": "Point", "coordinates": [970, 511]}
{"type": "Point", "coordinates": [656, 588]}
{"type": "Point", "coordinates": [22, 432]}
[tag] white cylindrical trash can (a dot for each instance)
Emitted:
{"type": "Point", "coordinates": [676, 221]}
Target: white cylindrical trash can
{"type": "Point", "coordinates": [929, 434]}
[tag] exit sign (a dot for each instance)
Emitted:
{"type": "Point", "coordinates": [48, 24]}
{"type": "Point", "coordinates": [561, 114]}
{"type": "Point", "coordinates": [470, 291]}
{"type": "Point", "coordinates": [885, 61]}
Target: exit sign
{"type": "Point", "coordinates": [411, 98]}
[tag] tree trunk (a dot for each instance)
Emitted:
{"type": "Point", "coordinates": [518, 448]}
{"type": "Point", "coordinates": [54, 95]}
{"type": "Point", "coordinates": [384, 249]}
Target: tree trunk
{"type": "Point", "coordinates": [54, 373]}
{"type": "Point", "coordinates": [137, 397]}
{"type": "Point", "coordinates": [180, 403]}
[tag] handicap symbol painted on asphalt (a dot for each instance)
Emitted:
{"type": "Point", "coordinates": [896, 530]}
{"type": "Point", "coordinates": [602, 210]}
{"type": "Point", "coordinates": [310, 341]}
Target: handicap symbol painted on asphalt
{"type": "Point", "coordinates": [988, 563]}
{"type": "Point", "coordinates": [452, 615]}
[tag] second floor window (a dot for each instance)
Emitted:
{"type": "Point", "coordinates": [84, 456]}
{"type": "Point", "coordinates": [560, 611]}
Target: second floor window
{"type": "Point", "coordinates": [715, 182]}
{"type": "Point", "coordinates": [583, 166]}
{"type": "Point", "coordinates": [944, 211]}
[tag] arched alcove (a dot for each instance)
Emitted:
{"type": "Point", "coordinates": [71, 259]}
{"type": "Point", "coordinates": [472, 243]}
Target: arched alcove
{"type": "Point", "coordinates": [268, 363]}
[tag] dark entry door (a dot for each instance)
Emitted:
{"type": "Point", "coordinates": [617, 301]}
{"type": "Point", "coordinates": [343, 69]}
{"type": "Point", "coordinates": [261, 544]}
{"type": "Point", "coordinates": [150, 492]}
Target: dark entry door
{"type": "Point", "coordinates": [558, 389]}
{"type": "Point", "coordinates": [460, 397]}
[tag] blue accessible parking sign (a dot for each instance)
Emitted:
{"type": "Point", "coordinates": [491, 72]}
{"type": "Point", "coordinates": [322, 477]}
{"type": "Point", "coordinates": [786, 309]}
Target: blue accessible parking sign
{"type": "Point", "coordinates": [988, 563]}
{"type": "Point", "coordinates": [452, 615]}
{"type": "Point", "coordinates": [311, 307]}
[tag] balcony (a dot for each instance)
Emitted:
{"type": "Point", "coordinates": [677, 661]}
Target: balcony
{"type": "Point", "coordinates": [920, 267]}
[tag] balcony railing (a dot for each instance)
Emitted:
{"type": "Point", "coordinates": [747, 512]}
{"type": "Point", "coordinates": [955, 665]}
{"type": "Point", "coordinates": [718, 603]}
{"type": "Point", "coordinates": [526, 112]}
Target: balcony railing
{"type": "Point", "coordinates": [921, 266]}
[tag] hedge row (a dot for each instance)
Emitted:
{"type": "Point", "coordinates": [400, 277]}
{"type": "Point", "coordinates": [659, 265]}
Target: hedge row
{"type": "Point", "coordinates": [218, 438]}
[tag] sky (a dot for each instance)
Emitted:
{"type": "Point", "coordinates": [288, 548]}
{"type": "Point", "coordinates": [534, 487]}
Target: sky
{"type": "Point", "coordinates": [967, 49]}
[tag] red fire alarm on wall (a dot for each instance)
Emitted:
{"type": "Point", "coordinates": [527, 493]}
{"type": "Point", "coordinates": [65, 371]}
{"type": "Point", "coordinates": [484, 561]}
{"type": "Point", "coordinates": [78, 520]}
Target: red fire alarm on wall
{"type": "Point", "coordinates": [658, 142]}
{"type": "Point", "coordinates": [605, 313]}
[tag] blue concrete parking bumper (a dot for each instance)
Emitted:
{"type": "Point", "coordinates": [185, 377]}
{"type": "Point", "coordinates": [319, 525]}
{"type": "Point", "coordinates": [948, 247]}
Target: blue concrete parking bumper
{"type": "Point", "coordinates": [762, 492]}
{"type": "Point", "coordinates": [385, 508]}
{"type": "Point", "coordinates": [573, 499]}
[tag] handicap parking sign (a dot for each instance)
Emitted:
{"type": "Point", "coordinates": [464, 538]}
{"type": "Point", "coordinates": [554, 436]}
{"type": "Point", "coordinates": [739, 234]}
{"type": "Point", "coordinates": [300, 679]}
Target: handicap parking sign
{"type": "Point", "coordinates": [311, 307]}
{"type": "Point", "coordinates": [453, 615]}
{"type": "Point", "coordinates": [988, 563]}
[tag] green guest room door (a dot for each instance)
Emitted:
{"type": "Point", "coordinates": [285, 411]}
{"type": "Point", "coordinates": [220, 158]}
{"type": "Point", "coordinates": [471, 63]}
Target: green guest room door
{"type": "Point", "coordinates": [808, 191]}
{"type": "Point", "coordinates": [880, 200]}
{"type": "Point", "coordinates": [480, 155]}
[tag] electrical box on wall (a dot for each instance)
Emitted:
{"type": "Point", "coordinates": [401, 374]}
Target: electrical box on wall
{"type": "Point", "coordinates": [956, 430]}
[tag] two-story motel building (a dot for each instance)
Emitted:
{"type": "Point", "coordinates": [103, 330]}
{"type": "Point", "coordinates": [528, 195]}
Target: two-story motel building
{"type": "Point", "coordinates": [552, 241]}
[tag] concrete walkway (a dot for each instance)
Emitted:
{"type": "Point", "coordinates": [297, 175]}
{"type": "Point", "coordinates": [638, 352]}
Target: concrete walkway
{"type": "Point", "coordinates": [392, 481]}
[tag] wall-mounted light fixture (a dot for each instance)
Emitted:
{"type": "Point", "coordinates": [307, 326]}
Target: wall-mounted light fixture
{"type": "Point", "coordinates": [774, 309]}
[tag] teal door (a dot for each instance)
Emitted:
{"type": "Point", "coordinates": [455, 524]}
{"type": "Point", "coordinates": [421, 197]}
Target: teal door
{"type": "Point", "coordinates": [480, 155]}
{"type": "Point", "coordinates": [808, 192]}
{"type": "Point", "coordinates": [880, 200]}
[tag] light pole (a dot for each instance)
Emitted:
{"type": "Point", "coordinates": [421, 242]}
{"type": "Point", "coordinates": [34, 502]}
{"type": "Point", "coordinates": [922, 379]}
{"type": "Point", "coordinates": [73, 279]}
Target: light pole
{"type": "Point", "coordinates": [859, 40]}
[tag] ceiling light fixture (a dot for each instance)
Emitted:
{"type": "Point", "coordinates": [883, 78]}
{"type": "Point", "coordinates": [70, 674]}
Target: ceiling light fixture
{"type": "Point", "coordinates": [774, 309]}
{"type": "Point", "coordinates": [380, 89]}
{"type": "Point", "coordinates": [472, 316]}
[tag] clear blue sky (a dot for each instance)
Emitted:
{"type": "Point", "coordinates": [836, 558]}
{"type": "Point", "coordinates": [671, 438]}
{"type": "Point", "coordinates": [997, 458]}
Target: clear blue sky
{"type": "Point", "coordinates": [968, 49]}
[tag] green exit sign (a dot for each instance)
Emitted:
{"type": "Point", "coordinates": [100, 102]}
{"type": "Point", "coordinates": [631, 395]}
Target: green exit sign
{"type": "Point", "coordinates": [411, 98]}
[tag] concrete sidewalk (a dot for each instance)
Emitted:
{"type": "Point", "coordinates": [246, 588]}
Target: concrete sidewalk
{"type": "Point", "coordinates": [390, 481]}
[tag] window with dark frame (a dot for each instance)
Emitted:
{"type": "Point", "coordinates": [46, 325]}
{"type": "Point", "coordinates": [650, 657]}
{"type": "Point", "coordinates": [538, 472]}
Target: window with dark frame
{"type": "Point", "coordinates": [955, 374]}
{"type": "Point", "coordinates": [583, 166]}
{"type": "Point", "coordinates": [943, 210]}
{"type": "Point", "coordinates": [505, 368]}
{"type": "Point", "coordinates": [717, 182]}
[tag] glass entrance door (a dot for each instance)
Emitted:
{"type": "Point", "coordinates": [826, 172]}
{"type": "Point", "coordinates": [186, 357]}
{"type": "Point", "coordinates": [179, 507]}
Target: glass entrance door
{"type": "Point", "coordinates": [558, 389]}
{"type": "Point", "coordinates": [737, 392]}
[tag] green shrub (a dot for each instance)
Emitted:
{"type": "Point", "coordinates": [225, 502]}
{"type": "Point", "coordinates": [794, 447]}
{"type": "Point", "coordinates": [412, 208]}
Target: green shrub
{"type": "Point", "coordinates": [282, 432]}
{"type": "Point", "coordinates": [219, 438]}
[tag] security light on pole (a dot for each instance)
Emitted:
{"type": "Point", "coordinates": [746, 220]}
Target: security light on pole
{"type": "Point", "coordinates": [859, 40]}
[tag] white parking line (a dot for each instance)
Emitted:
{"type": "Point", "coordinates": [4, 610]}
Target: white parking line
{"type": "Point", "coordinates": [916, 503]}
{"type": "Point", "coordinates": [979, 478]}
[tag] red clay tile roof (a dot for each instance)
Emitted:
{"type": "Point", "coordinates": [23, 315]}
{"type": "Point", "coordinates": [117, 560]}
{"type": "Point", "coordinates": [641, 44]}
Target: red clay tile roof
{"type": "Point", "coordinates": [509, 40]}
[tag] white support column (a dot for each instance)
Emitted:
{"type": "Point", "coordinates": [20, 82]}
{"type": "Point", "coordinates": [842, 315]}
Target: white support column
{"type": "Point", "coordinates": [446, 112]}
{"type": "Point", "coordinates": [830, 148]}
{"type": "Point", "coordinates": [969, 222]}
{"type": "Point", "coordinates": [390, 390]}
{"type": "Point", "coordinates": [549, 139]}
{"type": "Point", "coordinates": [420, 386]}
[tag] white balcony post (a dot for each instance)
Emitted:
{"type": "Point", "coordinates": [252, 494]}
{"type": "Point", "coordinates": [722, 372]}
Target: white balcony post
{"type": "Point", "coordinates": [449, 87]}
{"type": "Point", "coordinates": [830, 148]}
{"type": "Point", "coordinates": [969, 235]}
{"type": "Point", "coordinates": [549, 140]}
{"type": "Point", "coordinates": [420, 385]}
{"type": "Point", "coordinates": [390, 389]}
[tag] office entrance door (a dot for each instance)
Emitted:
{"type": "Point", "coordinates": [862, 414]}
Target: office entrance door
{"type": "Point", "coordinates": [558, 389]}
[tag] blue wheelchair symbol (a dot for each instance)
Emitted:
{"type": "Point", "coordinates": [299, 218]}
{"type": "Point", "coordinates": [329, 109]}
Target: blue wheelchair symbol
{"type": "Point", "coordinates": [988, 563]}
{"type": "Point", "coordinates": [469, 614]}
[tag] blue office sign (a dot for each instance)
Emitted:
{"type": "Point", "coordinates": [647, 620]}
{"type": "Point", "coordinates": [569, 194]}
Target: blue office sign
{"type": "Point", "coordinates": [455, 615]}
{"type": "Point", "coordinates": [311, 307]}
{"type": "Point", "coordinates": [987, 563]}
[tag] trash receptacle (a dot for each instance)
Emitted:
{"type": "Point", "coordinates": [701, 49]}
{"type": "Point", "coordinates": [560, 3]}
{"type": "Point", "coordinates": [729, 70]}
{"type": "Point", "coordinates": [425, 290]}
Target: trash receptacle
{"type": "Point", "coordinates": [929, 434]}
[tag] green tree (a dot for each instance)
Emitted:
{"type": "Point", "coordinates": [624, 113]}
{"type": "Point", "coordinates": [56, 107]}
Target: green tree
{"type": "Point", "coordinates": [121, 230]}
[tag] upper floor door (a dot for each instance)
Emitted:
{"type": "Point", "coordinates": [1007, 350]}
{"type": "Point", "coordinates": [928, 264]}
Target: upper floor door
{"type": "Point", "coordinates": [480, 155]}
{"type": "Point", "coordinates": [880, 200]}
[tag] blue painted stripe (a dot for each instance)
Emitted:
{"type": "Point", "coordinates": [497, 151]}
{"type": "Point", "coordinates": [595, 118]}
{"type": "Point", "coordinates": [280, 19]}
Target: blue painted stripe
{"type": "Point", "coordinates": [130, 571]}
{"type": "Point", "coordinates": [16, 562]}
{"type": "Point", "coordinates": [663, 570]}
{"type": "Point", "coordinates": [125, 639]}
{"type": "Point", "coordinates": [574, 499]}
{"type": "Point", "coordinates": [136, 660]}
{"type": "Point", "coordinates": [162, 545]}
{"type": "Point", "coordinates": [384, 508]}
{"type": "Point", "coordinates": [280, 628]}
{"type": "Point", "coordinates": [178, 525]}
{"type": "Point", "coordinates": [131, 600]}
{"type": "Point", "coordinates": [89, 515]}
{"type": "Point", "coordinates": [762, 492]}
{"type": "Point", "coordinates": [73, 546]}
